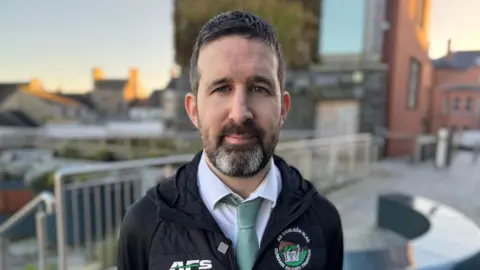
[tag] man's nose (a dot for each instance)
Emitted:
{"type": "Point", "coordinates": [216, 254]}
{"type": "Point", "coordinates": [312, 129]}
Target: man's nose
{"type": "Point", "coordinates": [239, 107]}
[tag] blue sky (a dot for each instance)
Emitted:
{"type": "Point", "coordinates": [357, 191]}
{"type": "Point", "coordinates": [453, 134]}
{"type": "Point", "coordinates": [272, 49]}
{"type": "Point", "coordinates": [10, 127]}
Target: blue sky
{"type": "Point", "coordinates": [60, 41]}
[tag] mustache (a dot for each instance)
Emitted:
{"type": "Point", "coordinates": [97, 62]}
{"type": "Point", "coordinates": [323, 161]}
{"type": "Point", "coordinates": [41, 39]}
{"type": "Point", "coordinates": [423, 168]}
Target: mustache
{"type": "Point", "coordinates": [248, 128]}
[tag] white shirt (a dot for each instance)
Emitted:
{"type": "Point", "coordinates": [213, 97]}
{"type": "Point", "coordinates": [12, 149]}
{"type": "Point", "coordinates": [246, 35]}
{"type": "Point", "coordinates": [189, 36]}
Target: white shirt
{"type": "Point", "coordinates": [212, 189]}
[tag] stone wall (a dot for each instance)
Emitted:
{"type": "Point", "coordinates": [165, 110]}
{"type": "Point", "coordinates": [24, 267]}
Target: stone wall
{"type": "Point", "coordinates": [371, 91]}
{"type": "Point", "coordinates": [373, 113]}
{"type": "Point", "coordinates": [302, 111]}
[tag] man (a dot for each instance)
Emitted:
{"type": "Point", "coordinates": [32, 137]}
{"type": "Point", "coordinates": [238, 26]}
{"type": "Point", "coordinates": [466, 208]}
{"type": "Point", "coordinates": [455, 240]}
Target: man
{"type": "Point", "coordinates": [235, 205]}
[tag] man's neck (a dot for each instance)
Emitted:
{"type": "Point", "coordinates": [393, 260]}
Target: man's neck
{"type": "Point", "coordinates": [242, 186]}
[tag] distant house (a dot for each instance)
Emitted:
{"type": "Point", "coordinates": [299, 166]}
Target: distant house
{"type": "Point", "coordinates": [156, 98]}
{"type": "Point", "coordinates": [111, 97]}
{"type": "Point", "coordinates": [144, 110]}
{"type": "Point", "coordinates": [172, 100]}
{"type": "Point", "coordinates": [41, 106]}
{"type": "Point", "coordinates": [456, 94]}
{"type": "Point", "coordinates": [84, 99]}
{"type": "Point", "coordinates": [107, 96]}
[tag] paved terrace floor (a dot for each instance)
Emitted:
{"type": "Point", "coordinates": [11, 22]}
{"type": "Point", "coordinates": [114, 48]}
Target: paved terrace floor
{"type": "Point", "coordinates": [457, 186]}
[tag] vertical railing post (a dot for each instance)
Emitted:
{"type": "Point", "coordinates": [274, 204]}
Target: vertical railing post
{"type": "Point", "coordinates": [368, 150]}
{"type": "Point", "coordinates": [333, 156]}
{"type": "Point", "coordinates": [41, 239]}
{"type": "Point", "coordinates": [60, 211]}
{"type": "Point", "coordinates": [3, 252]}
{"type": "Point", "coordinates": [352, 152]}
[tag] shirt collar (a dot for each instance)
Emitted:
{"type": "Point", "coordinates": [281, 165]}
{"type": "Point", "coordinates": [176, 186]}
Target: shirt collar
{"type": "Point", "coordinates": [212, 189]}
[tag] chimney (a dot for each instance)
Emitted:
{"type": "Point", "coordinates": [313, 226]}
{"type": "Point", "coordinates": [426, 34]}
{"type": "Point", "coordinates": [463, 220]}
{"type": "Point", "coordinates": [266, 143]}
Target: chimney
{"type": "Point", "coordinates": [97, 74]}
{"type": "Point", "coordinates": [35, 85]}
{"type": "Point", "coordinates": [449, 47]}
{"type": "Point", "coordinates": [131, 91]}
{"type": "Point", "coordinates": [133, 74]}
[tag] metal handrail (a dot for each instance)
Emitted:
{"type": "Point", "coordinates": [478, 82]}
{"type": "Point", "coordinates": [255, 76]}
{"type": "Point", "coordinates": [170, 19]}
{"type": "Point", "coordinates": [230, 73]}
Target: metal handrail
{"type": "Point", "coordinates": [98, 167]}
{"type": "Point", "coordinates": [48, 200]}
{"type": "Point", "coordinates": [45, 197]}
{"type": "Point", "coordinates": [59, 176]}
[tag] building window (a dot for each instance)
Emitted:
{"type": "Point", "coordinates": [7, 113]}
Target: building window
{"type": "Point", "coordinates": [413, 83]}
{"type": "Point", "coordinates": [468, 104]}
{"type": "Point", "coordinates": [456, 104]}
{"type": "Point", "coordinates": [352, 25]}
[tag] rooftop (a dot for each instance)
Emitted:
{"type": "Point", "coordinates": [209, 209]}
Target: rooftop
{"type": "Point", "coordinates": [458, 60]}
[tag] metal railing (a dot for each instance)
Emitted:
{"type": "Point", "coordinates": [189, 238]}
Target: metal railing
{"type": "Point", "coordinates": [330, 162]}
{"type": "Point", "coordinates": [89, 212]}
{"type": "Point", "coordinates": [90, 200]}
{"type": "Point", "coordinates": [44, 205]}
{"type": "Point", "coordinates": [126, 189]}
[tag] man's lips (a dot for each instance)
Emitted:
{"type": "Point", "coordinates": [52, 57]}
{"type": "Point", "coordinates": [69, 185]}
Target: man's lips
{"type": "Point", "coordinates": [238, 138]}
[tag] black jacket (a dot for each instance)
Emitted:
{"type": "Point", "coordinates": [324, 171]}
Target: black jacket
{"type": "Point", "coordinates": [170, 228]}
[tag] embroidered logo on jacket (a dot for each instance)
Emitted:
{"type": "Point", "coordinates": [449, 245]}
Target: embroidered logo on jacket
{"type": "Point", "coordinates": [292, 252]}
{"type": "Point", "coordinates": [192, 265]}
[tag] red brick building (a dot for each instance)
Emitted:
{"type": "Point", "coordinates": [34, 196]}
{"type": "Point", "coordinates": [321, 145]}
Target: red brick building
{"type": "Point", "coordinates": [456, 92]}
{"type": "Point", "coordinates": [409, 80]}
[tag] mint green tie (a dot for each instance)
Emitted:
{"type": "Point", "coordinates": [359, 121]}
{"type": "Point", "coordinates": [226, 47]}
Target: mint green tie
{"type": "Point", "coordinates": [247, 240]}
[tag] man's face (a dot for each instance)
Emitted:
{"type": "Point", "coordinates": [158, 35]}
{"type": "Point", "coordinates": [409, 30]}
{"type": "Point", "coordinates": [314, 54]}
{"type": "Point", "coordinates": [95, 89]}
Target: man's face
{"type": "Point", "coordinates": [239, 108]}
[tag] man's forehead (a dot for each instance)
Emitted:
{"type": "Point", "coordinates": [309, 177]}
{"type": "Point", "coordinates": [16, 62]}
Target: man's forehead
{"type": "Point", "coordinates": [233, 55]}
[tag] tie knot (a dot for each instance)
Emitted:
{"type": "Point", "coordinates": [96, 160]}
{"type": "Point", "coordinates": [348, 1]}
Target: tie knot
{"type": "Point", "coordinates": [247, 213]}
{"type": "Point", "coordinates": [232, 200]}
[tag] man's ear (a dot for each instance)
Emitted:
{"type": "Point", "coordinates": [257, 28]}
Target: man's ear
{"type": "Point", "coordinates": [286, 102]}
{"type": "Point", "coordinates": [191, 108]}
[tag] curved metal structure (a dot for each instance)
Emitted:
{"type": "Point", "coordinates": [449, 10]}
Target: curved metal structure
{"type": "Point", "coordinates": [438, 237]}
{"type": "Point", "coordinates": [45, 199]}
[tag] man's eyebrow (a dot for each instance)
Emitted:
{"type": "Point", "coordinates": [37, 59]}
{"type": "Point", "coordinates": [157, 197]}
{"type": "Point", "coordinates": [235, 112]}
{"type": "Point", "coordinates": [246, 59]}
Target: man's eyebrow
{"type": "Point", "coordinates": [261, 79]}
{"type": "Point", "coordinates": [219, 82]}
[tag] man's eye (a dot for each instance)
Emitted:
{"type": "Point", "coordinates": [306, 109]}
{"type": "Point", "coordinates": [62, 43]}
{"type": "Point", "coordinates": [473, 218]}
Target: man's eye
{"type": "Point", "coordinates": [222, 89]}
{"type": "Point", "coordinates": [259, 89]}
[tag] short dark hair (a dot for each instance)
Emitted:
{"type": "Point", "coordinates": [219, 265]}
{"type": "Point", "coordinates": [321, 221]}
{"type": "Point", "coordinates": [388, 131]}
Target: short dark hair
{"type": "Point", "coordinates": [241, 23]}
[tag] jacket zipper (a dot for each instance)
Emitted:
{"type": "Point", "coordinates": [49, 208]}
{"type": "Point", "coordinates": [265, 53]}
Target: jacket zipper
{"type": "Point", "coordinates": [231, 255]}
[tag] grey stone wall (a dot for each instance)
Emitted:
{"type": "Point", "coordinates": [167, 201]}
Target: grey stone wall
{"type": "Point", "coordinates": [370, 91]}
{"type": "Point", "coordinates": [373, 112]}
{"type": "Point", "coordinates": [302, 111]}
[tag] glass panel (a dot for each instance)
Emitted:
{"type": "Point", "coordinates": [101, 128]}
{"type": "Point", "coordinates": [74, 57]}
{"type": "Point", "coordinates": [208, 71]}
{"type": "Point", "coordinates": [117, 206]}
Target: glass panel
{"type": "Point", "coordinates": [342, 27]}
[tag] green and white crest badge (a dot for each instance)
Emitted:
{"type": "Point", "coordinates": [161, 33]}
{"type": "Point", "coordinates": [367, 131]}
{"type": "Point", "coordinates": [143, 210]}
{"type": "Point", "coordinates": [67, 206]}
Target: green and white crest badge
{"type": "Point", "coordinates": [292, 252]}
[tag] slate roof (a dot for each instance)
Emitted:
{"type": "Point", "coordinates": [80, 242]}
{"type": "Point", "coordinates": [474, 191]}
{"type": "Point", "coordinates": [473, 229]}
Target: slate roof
{"type": "Point", "coordinates": [140, 103]}
{"type": "Point", "coordinates": [156, 98]}
{"type": "Point", "coordinates": [24, 118]}
{"type": "Point", "coordinates": [6, 89]}
{"type": "Point", "coordinates": [182, 83]}
{"type": "Point", "coordinates": [110, 84]}
{"type": "Point", "coordinates": [84, 99]}
{"type": "Point", "coordinates": [458, 60]}
{"type": "Point", "coordinates": [16, 118]}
